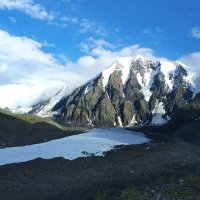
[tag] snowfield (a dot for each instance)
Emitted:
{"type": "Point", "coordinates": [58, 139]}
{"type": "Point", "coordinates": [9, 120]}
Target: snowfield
{"type": "Point", "coordinates": [93, 143]}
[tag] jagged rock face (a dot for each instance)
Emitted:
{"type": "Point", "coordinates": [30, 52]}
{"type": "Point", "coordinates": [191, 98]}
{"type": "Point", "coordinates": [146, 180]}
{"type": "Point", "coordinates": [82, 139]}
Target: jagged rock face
{"type": "Point", "coordinates": [104, 113]}
{"type": "Point", "coordinates": [130, 91]}
{"type": "Point", "coordinates": [133, 89]}
{"type": "Point", "coordinates": [127, 112]}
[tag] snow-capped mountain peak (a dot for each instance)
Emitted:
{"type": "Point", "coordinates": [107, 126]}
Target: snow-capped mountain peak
{"type": "Point", "coordinates": [131, 90]}
{"type": "Point", "coordinates": [121, 64]}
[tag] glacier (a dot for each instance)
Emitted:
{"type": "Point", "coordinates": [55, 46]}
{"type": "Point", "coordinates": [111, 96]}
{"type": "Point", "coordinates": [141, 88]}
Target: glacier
{"type": "Point", "coordinates": [93, 143]}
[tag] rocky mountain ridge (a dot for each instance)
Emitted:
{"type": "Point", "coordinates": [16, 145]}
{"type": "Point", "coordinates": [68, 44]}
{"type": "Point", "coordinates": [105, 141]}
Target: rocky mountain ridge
{"type": "Point", "coordinates": [133, 90]}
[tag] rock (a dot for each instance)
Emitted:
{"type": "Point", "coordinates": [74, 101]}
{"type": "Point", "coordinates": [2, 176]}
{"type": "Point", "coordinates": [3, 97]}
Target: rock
{"type": "Point", "coordinates": [148, 148]}
{"type": "Point", "coordinates": [119, 102]}
{"type": "Point", "coordinates": [181, 181]}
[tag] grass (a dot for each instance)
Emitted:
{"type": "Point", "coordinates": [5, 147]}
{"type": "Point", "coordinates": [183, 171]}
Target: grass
{"type": "Point", "coordinates": [185, 195]}
{"type": "Point", "coordinates": [161, 180]}
{"type": "Point", "coordinates": [25, 129]}
{"type": "Point", "coordinates": [34, 119]}
{"type": "Point", "coordinates": [100, 196]}
{"type": "Point", "coordinates": [131, 193]}
{"type": "Point", "coordinates": [194, 180]}
{"type": "Point", "coordinates": [29, 118]}
{"type": "Point", "coordinates": [6, 116]}
{"type": "Point", "coordinates": [25, 117]}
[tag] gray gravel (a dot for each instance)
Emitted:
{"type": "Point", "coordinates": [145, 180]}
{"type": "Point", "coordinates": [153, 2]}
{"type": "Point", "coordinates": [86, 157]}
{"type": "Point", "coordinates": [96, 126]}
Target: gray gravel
{"type": "Point", "coordinates": [138, 166]}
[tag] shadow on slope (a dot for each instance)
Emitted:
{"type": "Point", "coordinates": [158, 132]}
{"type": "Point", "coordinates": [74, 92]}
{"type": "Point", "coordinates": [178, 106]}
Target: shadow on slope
{"type": "Point", "coordinates": [19, 130]}
{"type": "Point", "coordinates": [187, 131]}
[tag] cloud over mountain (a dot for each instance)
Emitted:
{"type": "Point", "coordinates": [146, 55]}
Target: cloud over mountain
{"type": "Point", "coordinates": [29, 75]}
{"type": "Point", "coordinates": [27, 6]}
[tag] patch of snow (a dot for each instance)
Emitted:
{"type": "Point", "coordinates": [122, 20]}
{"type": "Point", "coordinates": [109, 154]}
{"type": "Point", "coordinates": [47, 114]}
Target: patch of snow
{"type": "Point", "coordinates": [90, 123]}
{"type": "Point", "coordinates": [167, 117]}
{"type": "Point", "coordinates": [108, 96]}
{"type": "Point", "coordinates": [95, 142]}
{"type": "Point", "coordinates": [146, 82]}
{"type": "Point", "coordinates": [88, 88]}
{"type": "Point", "coordinates": [158, 114]}
{"type": "Point", "coordinates": [125, 68]}
{"type": "Point", "coordinates": [139, 57]}
{"type": "Point", "coordinates": [142, 58]}
{"type": "Point", "coordinates": [159, 108]}
{"type": "Point", "coordinates": [167, 68]}
{"type": "Point", "coordinates": [106, 74]}
{"type": "Point", "coordinates": [132, 122]}
{"type": "Point", "coordinates": [193, 81]}
{"type": "Point", "coordinates": [120, 121]}
{"type": "Point", "coordinates": [122, 64]}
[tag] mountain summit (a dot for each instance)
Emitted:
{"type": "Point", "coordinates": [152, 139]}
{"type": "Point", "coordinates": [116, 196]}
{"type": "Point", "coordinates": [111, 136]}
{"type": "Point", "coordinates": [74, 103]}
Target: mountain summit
{"type": "Point", "coordinates": [133, 90]}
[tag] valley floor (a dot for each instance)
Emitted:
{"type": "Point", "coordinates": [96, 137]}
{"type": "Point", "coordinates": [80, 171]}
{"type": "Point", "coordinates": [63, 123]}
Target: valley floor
{"type": "Point", "coordinates": [159, 170]}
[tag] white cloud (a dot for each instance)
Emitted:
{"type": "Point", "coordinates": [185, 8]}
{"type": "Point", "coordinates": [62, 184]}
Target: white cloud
{"type": "Point", "coordinates": [158, 29]}
{"type": "Point", "coordinates": [27, 6]}
{"type": "Point", "coordinates": [86, 25]}
{"type": "Point", "coordinates": [192, 61]}
{"type": "Point", "coordinates": [69, 19]}
{"type": "Point", "coordinates": [28, 75]}
{"type": "Point", "coordinates": [46, 44]}
{"type": "Point", "coordinates": [82, 25]}
{"type": "Point", "coordinates": [92, 43]}
{"type": "Point", "coordinates": [195, 32]}
{"type": "Point", "coordinates": [101, 54]}
{"type": "Point", "coordinates": [147, 31]}
{"type": "Point", "coordinates": [12, 19]}
{"type": "Point", "coordinates": [153, 31]}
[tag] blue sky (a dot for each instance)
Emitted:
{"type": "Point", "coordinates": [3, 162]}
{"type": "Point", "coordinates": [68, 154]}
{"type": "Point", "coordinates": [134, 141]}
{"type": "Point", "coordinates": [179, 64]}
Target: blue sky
{"type": "Point", "coordinates": [163, 25]}
{"type": "Point", "coordinates": [47, 44]}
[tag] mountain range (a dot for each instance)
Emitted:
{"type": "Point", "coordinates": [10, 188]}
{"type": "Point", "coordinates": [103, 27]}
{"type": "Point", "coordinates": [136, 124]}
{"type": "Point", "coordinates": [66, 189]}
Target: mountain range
{"type": "Point", "coordinates": [131, 91]}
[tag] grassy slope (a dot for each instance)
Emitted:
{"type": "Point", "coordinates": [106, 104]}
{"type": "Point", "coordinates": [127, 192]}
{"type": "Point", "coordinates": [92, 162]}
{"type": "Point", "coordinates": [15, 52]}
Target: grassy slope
{"type": "Point", "coordinates": [24, 129]}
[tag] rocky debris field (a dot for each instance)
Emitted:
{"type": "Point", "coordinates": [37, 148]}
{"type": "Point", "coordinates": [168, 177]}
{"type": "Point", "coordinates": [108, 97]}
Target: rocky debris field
{"type": "Point", "coordinates": [148, 171]}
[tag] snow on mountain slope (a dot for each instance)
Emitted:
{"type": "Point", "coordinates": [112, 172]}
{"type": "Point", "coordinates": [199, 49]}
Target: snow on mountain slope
{"type": "Point", "coordinates": [89, 87]}
{"type": "Point", "coordinates": [158, 114]}
{"type": "Point", "coordinates": [125, 68]}
{"type": "Point", "coordinates": [168, 68]}
{"type": "Point", "coordinates": [107, 72]}
{"type": "Point", "coordinates": [193, 80]}
{"type": "Point", "coordinates": [121, 64]}
{"type": "Point", "coordinates": [46, 110]}
{"type": "Point", "coordinates": [146, 80]}
{"type": "Point", "coordinates": [131, 90]}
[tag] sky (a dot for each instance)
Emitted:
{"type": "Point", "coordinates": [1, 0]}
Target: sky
{"type": "Point", "coordinates": [47, 44]}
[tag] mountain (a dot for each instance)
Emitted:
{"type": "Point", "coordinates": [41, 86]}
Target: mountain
{"type": "Point", "coordinates": [133, 90]}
